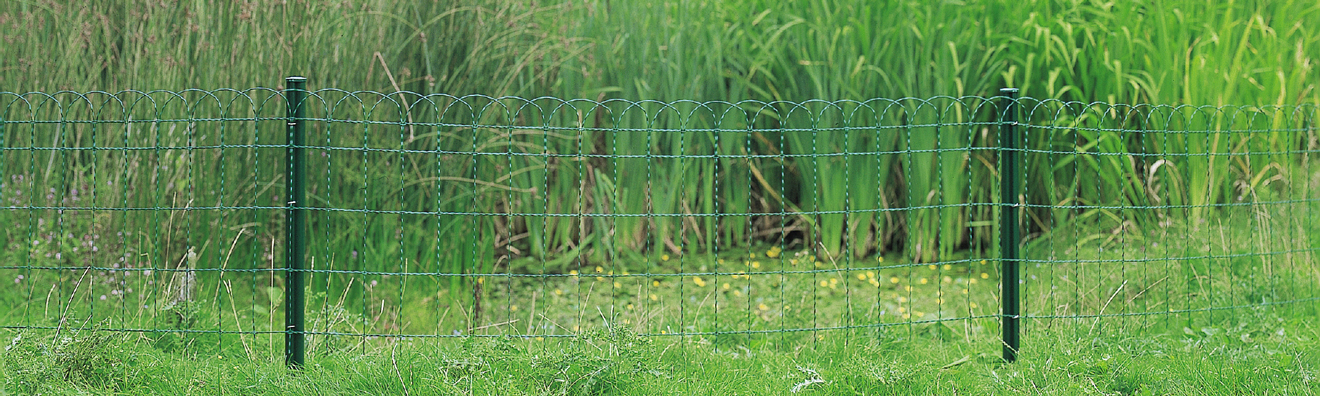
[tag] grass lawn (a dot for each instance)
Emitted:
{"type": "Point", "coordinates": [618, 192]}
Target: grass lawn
{"type": "Point", "coordinates": [1106, 316]}
{"type": "Point", "coordinates": [1252, 352]}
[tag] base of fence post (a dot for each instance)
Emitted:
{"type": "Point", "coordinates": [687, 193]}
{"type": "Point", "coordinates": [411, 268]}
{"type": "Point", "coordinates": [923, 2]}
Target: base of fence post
{"type": "Point", "coordinates": [1009, 234]}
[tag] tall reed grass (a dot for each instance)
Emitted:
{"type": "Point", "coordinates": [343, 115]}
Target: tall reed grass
{"type": "Point", "coordinates": [1170, 52]}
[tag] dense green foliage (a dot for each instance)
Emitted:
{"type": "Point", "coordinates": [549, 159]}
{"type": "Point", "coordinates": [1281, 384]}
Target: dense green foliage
{"type": "Point", "coordinates": [1166, 52]}
{"type": "Point", "coordinates": [1183, 212]}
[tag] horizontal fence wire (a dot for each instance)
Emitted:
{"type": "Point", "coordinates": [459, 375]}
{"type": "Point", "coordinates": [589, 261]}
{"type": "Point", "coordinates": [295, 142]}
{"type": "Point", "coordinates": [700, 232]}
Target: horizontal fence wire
{"type": "Point", "coordinates": [434, 216]}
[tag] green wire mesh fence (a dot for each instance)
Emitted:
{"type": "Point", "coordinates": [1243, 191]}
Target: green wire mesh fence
{"type": "Point", "coordinates": [745, 223]}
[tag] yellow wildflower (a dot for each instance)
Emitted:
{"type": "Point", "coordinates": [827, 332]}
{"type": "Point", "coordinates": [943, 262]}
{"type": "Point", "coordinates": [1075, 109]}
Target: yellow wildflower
{"type": "Point", "coordinates": [861, 276]}
{"type": "Point", "coordinates": [763, 307]}
{"type": "Point", "coordinates": [664, 257]}
{"type": "Point", "coordinates": [700, 282]}
{"type": "Point", "coordinates": [756, 264]}
{"type": "Point", "coordinates": [655, 297]}
{"type": "Point", "coordinates": [948, 267]}
{"type": "Point", "coordinates": [923, 281]}
{"type": "Point", "coordinates": [985, 276]}
{"type": "Point", "coordinates": [893, 279]}
{"type": "Point", "coordinates": [599, 269]}
{"type": "Point", "coordinates": [726, 286]}
{"type": "Point", "coordinates": [655, 283]}
{"type": "Point", "coordinates": [559, 292]}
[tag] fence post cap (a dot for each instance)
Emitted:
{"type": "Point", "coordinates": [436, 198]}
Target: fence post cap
{"type": "Point", "coordinates": [1008, 90]}
{"type": "Point", "coordinates": [296, 79]}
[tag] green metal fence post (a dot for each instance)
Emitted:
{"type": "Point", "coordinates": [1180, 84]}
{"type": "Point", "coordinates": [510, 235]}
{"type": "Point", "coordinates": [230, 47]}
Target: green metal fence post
{"type": "Point", "coordinates": [1009, 235]}
{"type": "Point", "coordinates": [295, 223]}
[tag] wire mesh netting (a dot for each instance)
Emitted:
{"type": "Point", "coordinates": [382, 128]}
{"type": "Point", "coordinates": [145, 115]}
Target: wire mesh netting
{"type": "Point", "coordinates": [752, 222]}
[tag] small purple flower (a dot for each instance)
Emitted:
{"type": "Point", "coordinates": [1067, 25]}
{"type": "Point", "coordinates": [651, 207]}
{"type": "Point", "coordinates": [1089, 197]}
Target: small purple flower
{"type": "Point", "coordinates": [102, 297]}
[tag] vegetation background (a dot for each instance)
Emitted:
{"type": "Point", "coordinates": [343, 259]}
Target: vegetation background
{"type": "Point", "coordinates": [1174, 52]}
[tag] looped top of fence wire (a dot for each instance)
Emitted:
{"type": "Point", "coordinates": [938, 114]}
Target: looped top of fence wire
{"type": "Point", "coordinates": [432, 215]}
